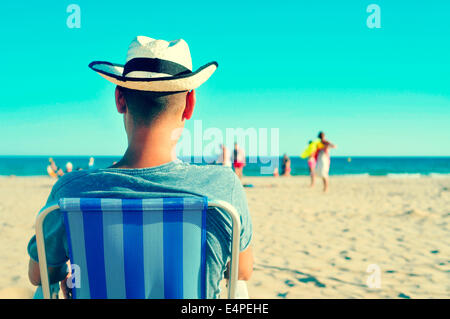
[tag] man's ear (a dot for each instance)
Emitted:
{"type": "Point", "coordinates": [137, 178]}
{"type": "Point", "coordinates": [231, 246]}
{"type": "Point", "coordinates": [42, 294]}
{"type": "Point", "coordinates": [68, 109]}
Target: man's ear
{"type": "Point", "coordinates": [121, 104]}
{"type": "Point", "coordinates": [190, 103]}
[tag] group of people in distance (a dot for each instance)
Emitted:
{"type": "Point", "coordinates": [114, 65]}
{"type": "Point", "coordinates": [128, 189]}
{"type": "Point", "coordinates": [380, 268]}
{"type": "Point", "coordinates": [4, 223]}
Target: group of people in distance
{"type": "Point", "coordinates": [56, 172]}
{"type": "Point", "coordinates": [317, 152]}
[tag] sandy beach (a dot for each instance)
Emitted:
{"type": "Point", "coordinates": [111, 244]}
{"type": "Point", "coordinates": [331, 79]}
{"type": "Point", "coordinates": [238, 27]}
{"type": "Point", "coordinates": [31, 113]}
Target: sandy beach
{"type": "Point", "coordinates": [306, 244]}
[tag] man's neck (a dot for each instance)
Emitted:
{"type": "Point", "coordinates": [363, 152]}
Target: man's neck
{"type": "Point", "coordinates": [148, 149]}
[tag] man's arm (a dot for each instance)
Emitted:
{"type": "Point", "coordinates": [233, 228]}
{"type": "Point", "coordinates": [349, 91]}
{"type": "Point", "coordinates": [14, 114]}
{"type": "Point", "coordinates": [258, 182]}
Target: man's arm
{"type": "Point", "coordinates": [245, 267]}
{"type": "Point", "coordinates": [239, 201]}
{"type": "Point", "coordinates": [245, 264]}
{"type": "Point", "coordinates": [329, 144]}
{"type": "Point", "coordinates": [55, 274]}
{"type": "Point", "coordinates": [33, 273]}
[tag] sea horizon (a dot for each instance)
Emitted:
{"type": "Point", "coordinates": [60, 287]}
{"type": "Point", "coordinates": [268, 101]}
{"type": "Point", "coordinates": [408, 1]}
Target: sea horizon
{"type": "Point", "coordinates": [389, 166]}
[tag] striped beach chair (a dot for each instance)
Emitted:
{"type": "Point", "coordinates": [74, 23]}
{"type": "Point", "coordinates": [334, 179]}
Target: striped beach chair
{"type": "Point", "coordinates": [137, 248]}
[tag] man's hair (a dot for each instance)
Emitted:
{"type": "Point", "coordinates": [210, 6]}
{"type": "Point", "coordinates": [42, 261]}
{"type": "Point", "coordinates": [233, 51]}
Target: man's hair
{"type": "Point", "coordinates": [320, 134]}
{"type": "Point", "coordinates": [146, 107]}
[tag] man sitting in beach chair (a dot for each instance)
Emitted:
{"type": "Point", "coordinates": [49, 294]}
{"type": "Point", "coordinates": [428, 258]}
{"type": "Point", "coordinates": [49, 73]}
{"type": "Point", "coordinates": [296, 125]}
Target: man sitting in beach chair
{"type": "Point", "coordinates": [155, 94]}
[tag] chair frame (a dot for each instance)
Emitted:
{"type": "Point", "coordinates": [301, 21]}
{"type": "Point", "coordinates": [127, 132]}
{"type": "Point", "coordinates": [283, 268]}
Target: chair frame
{"type": "Point", "coordinates": [222, 205]}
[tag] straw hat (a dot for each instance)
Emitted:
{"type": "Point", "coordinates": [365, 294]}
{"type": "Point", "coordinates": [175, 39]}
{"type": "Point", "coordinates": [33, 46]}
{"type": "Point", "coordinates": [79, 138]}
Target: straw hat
{"type": "Point", "coordinates": [156, 65]}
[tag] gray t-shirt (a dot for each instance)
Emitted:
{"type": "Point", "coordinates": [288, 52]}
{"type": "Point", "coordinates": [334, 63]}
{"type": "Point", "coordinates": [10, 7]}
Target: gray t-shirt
{"type": "Point", "coordinates": [173, 179]}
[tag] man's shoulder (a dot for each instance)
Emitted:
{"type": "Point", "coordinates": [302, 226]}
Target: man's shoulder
{"type": "Point", "coordinates": [69, 178]}
{"type": "Point", "coordinates": [217, 171]}
{"type": "Point", "coordinates": [210, 180]}
{"type": "Point", "coordinates": [211, 176]}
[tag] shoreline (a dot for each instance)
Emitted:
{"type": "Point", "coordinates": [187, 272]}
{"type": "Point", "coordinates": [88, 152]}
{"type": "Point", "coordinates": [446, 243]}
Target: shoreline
{"type": "Point", "coordinates": [389, 175]}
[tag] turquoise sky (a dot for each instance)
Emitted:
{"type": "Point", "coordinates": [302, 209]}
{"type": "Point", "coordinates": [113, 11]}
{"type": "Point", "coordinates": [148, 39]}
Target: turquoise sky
{"type": "Point", "coordinates": [300, 66]}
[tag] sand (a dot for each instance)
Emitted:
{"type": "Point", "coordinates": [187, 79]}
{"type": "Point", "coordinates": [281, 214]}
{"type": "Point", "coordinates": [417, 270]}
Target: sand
{"type": "Point", "coordinates": [306, 244]}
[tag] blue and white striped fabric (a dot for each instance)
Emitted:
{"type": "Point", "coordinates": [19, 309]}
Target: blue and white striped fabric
{"type": "Point", "coordinates": [137, 248]}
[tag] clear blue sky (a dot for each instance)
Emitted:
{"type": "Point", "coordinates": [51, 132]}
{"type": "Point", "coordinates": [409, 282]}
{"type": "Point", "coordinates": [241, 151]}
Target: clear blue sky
{"type": "Point", "coordinates": [302, 66]}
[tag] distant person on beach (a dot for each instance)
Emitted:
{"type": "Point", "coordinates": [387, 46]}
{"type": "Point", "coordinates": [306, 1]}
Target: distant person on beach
{"type": "Point", "coordinates": [60, 172]}
{"type": "Point", "coordinates": [158, 99]}
{"type": "Point", "coordinates": [52, 169]}
{"type": "Point", "coordinates": [91, 163]}
{"type": "Point", "coordinates": [69, 167]}
{"type": "Point", "coordinates": [238, 160]}
{"type": "Point", "coordinates": [224, 156]}
{"type": "Point", "coordinates": [323, 161]}
{"type": "Point", "coordinates": [55, 171]}
{"type": "Point", "coordinates": [276, 173]}
{"type": "Point", "coordinates": [51, 172]}
{"type": "Point", "coordinates": [286, 166]}
{"type": "Point", "coordinates": [312, 160]}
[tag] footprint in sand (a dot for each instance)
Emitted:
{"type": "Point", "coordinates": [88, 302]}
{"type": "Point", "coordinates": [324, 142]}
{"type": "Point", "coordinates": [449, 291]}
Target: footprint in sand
{"type": "Point", "coordinates": [416, 212]}
{"type": "Point", "coordinates": [15, 278]}
{"type": "Point", "coordinates": [282, 295]}
{"type": "Point", "coordinates": [313, 280]}
{"type": "Point", "coordinates": [289, 283]}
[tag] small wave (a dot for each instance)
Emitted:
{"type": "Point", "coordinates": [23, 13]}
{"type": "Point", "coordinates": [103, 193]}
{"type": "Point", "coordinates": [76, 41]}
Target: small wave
{"type": "Point", "coordinates": [439, 175]}
{"type": "Point", "coordinates": [403, 175]}
{"type": "Point", "coordinates": [353, 175]}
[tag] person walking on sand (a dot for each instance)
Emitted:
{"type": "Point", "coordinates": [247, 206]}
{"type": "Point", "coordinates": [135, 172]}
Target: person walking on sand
{"type": "Point", "coordinates": [323, 161]}
{"type": "Point", "coordinates": [286, 166]}
{"type": "Point", "coordinates": [238, 160]}
{"type": "Point", "coordinates": [312, 160]}
{"type": "Point", "coordinates": [224, 156]}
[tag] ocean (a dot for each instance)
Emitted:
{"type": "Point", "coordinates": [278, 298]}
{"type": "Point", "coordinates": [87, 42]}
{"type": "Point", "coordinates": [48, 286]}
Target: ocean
{"type": "Point", "coordinates": [370, 166]}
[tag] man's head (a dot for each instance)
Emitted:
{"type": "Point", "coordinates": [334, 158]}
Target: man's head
{"type": "Point", "coordinates": [145, 110]}
{"type": "Point", "coordinates": [321, 135]}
